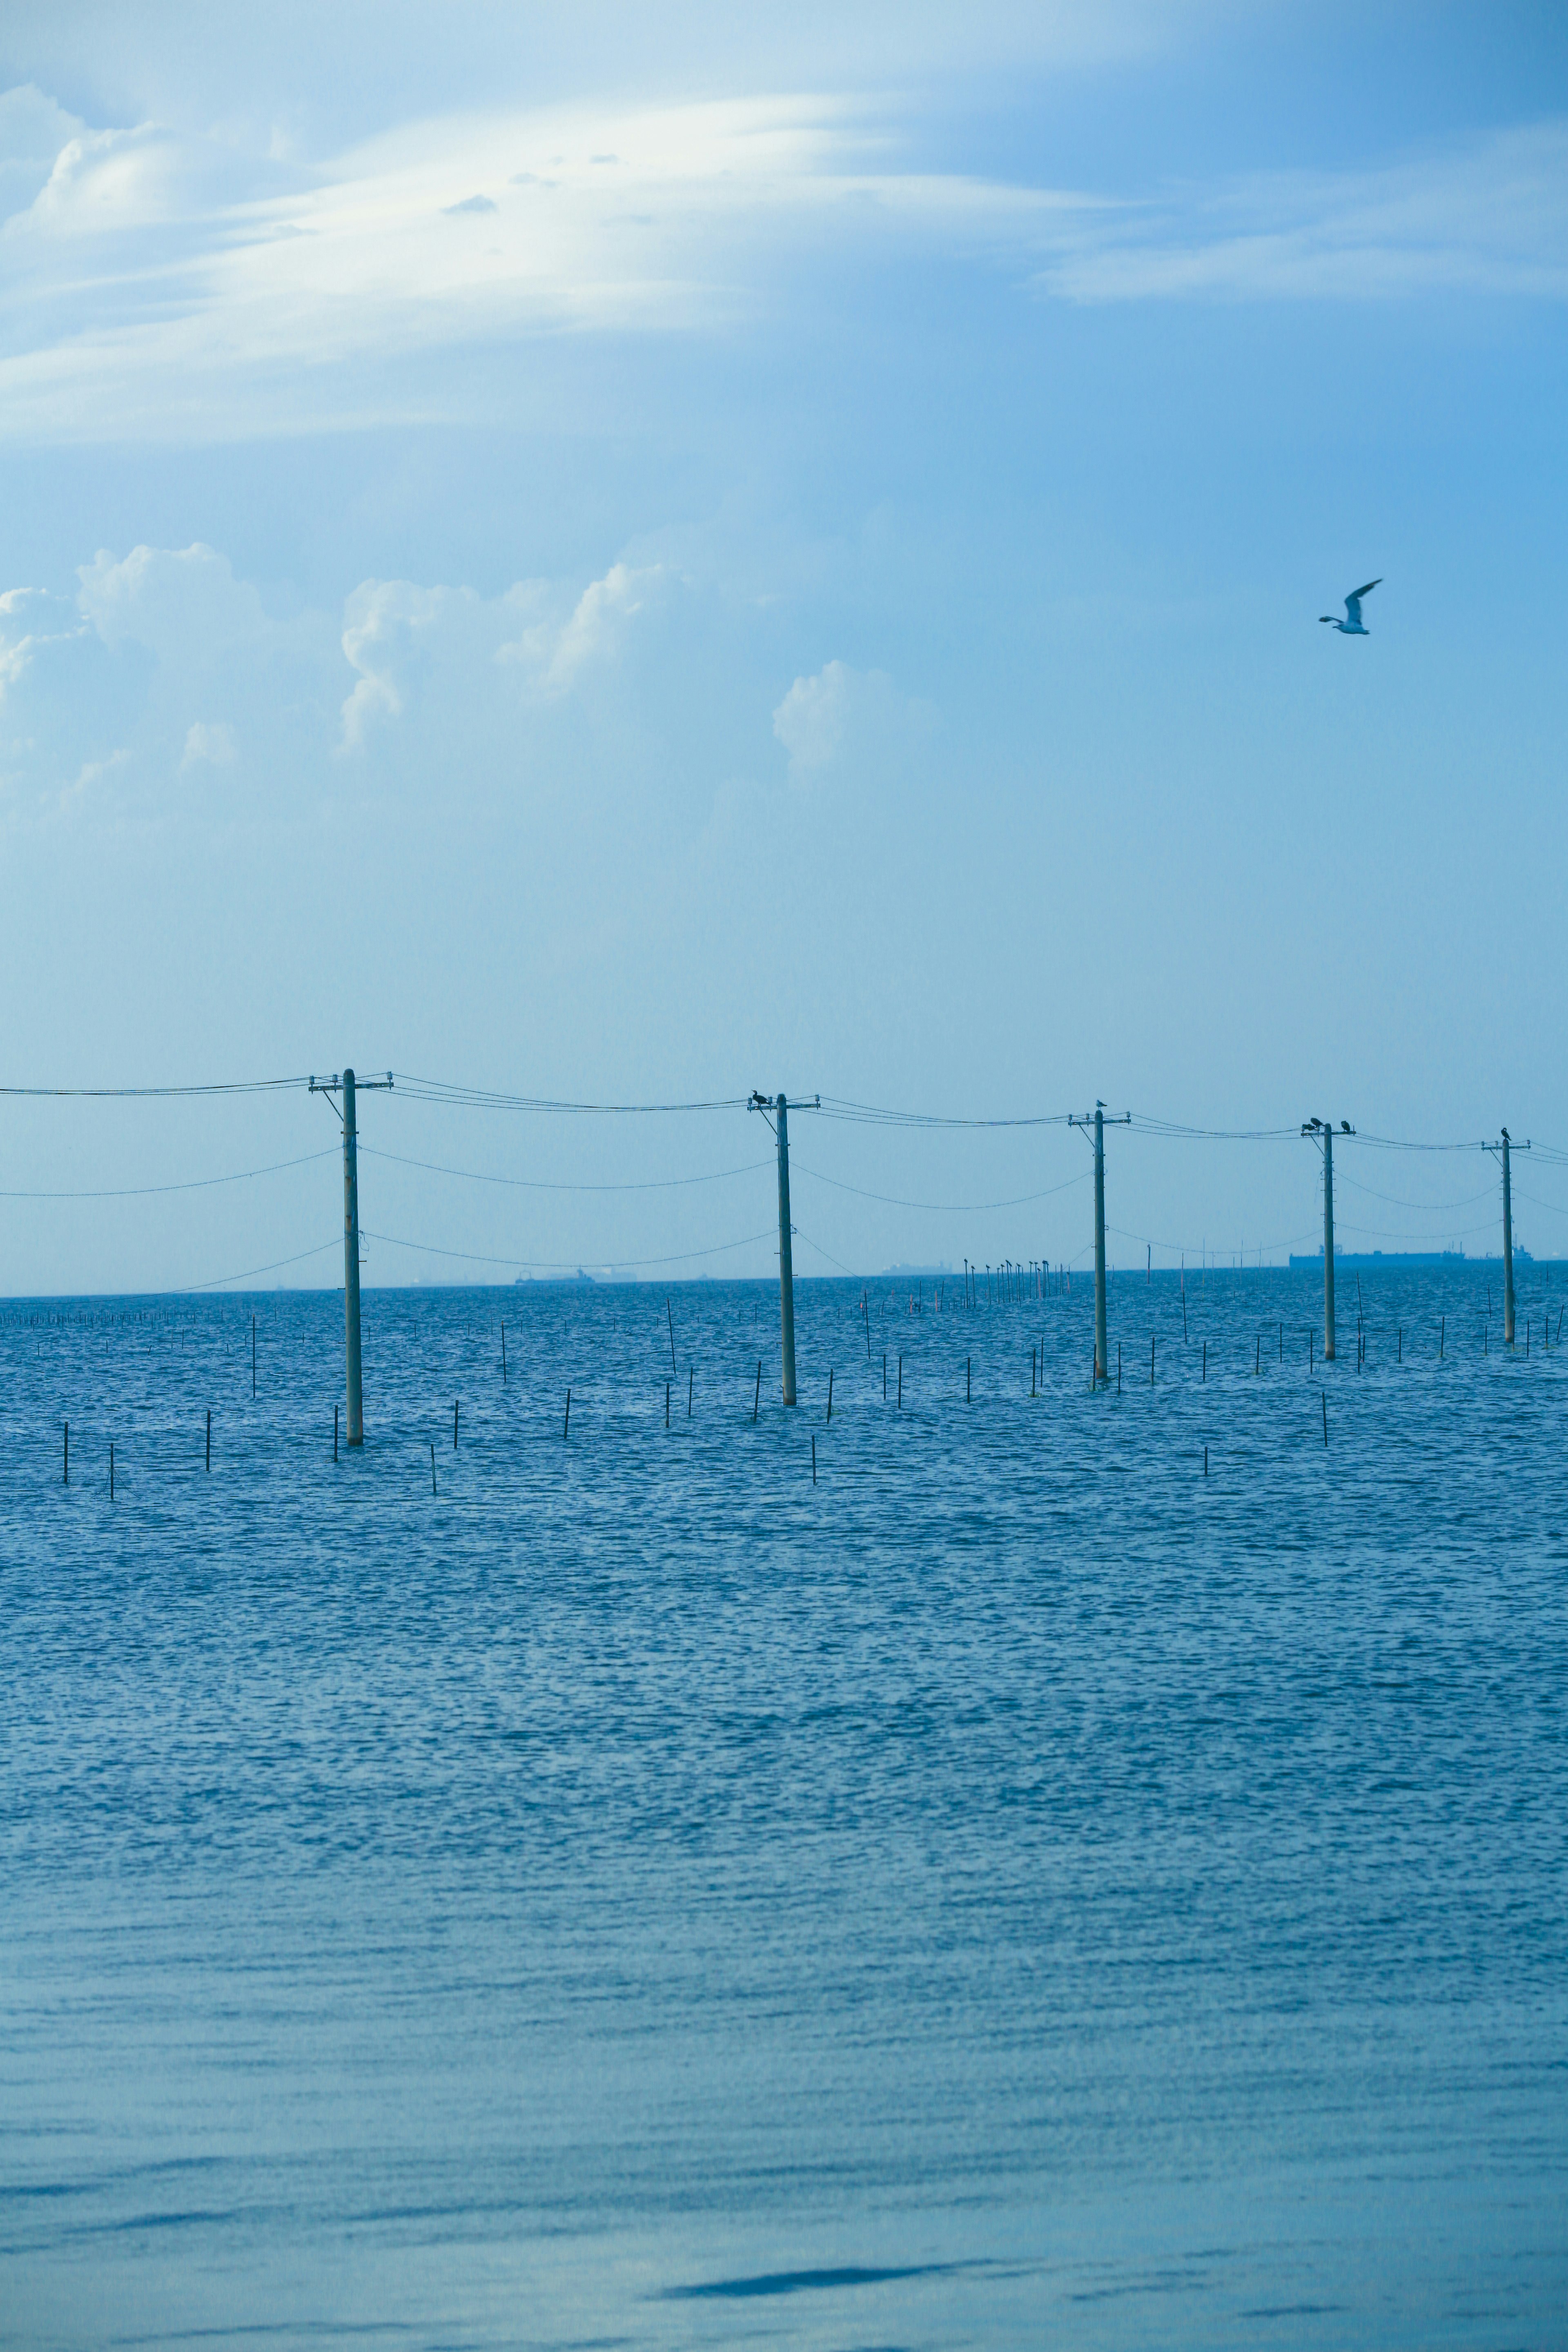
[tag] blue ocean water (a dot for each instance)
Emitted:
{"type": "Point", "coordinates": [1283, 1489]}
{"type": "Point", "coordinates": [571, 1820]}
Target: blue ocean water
{"type": "Point", "coordinates": [1020, 1888]}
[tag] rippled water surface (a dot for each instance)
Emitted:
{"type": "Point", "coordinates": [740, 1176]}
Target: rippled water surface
{"type": "Point", "coordinates": [1018, 1889]}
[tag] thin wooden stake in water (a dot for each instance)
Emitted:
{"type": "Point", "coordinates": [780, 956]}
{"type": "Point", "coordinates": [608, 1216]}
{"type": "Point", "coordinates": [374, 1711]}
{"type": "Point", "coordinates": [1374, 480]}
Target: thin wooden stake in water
{"type": "Point", "coordinates": [691, 1375]}
{"type": "Point", "coordinates": [1205, 1462]}
{"type": "Point", "coordinates": [757, 1400]}
{"type": "Point", "coordinates": [1257, 1355]}
{"type": "Point", "coordinates": [209, 1437]}
{"type": "Point", "coordinates": [1442, 1336]}
{"type": "Point", "coordinates": [830, 1393]}
{"type": "Point", "coordinates": [900, 1383]}
{"type": "Point", "coordinates": [814, 1461]}
{"type": "Point", "coordinates": [334, 1433]}
{"type": "Point", "coordinates": [1151, 1360]}
{"type": "Point", "coordinates": [1325, 1397]}
{"type": "Point", "coordinates": [566, 1425]}
{"type": "Point", "coordinates": [884, 1376]}
{"type": "Point", "coordinates": [968, 1391]}
{"type": "Point", "coordinates": [667, 1405]}
{"type": "Point", "coordinates": [503, 1354]}
{"type": "Point", "coordinates": [1206, 1370]}
{"type": "Point", "coordinates": [432, 1465]}
{"type": "Point", "coordinates": [454, 1424]}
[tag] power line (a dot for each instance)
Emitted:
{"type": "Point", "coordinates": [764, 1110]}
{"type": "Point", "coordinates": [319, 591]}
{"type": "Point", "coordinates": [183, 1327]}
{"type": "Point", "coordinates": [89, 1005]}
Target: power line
{"type": "Point", "coordinates": [1142, 1125]}
{"type": "Point", "coordinates": [539, 1184]}
{"type": "Point", "coordinates": [251, 1271]}
{"type": "Point", "coordinates": [562, 1266]}
{"type": "Point", "coordinates": [438, 1090]}
{"type": "Point", "coordinates": [954, 1208]}
{"type": "Point", "coordinates": [192, 1184]}
{"type": "Point", "coordinates": [870, 1115]}
{"type": "Point", "coordinates": [136, 1093]}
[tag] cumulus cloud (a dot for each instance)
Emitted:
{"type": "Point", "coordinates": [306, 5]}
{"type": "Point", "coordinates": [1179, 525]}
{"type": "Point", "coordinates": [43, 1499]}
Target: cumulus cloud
{"type": "Point", "coordinates": [183, 603]}
{"type": "Point", "coordinates": [397, 634]}
{"type": "Point", "coordinates": [209, 743]}
{"type": "Point", "coordinates": [23, 630]}
{"type": "Point", "coordinates": [843, 717]}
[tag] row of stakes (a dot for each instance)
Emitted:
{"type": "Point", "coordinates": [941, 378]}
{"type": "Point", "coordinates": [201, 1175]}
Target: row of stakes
{"type": "Point", "coordinates": [1037, 1369]}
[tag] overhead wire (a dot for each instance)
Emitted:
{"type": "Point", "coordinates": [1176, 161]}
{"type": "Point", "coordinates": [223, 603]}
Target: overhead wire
{"type": "Point", "coordinates": [190, 1184]}
{"type": "Point", "coordinates": [562, 1266]}
{"type": "Point", "coordinates": [440, 1090]}
{"type": "Point", "coordinates": [541, 1185]}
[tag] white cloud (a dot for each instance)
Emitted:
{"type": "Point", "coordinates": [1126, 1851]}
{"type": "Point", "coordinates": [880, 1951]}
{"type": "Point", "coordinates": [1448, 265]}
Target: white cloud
{"type": "Point", "coordinates": [396, 634]}
{"type": "Point", "coordinates": [33, 131]}
{"type": "Point", "coordinates": [180, 603]}
{"type": "Point", "coordinates": [22, 636]}
{"type": "Point", "coordinates": [229, 294]}
{"type": "Point", "coordinates": [211, 743]}
{"type": "Point", "coordinates": [556, 654]}
{"type": "Point", "coordinates": [848, 718]}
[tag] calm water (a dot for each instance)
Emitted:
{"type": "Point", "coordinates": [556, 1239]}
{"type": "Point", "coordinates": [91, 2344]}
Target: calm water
{"type": "Point", "coordinates": [1017, 1890]}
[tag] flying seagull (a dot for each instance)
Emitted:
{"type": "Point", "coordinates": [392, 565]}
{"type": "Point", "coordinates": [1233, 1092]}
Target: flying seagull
{"type": "Point", "coordinates": [1351, 625]}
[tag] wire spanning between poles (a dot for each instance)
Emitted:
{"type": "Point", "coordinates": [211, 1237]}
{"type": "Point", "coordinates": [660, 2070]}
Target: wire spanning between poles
{"type": "Point", "coordinates": [869, 1115]}
{"type": "Point", "coordinates": [564, 1264]}
{"type": "Point", "coordinates": [539, 1184]}
{"type": "Point", "coordinates": [153, 1094]}
{"type": "Point", "coordinates": [189, 1184]}
{"type": "Point", "coordinates": [946, 1208]}
{"type": "Point", "coordinates": [437, 1090]}
{"type": "Point", "coordinates": [1141, 1124]}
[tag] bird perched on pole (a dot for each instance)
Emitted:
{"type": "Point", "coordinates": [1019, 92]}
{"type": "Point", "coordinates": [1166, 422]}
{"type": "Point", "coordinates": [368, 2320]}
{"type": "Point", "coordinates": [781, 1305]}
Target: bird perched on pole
{"type": "Point", "coordinates": [1350, 627]}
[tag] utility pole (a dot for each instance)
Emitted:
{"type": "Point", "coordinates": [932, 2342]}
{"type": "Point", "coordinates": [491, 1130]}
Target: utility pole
{"type": "Point", "coordinates": [1098, 1121]}
{"type": "Point", "coordinates": [1505, 1150]}
{"type": "Point", "coordinates": [780, 1108]}
{"type": "Point", "coordinates": [1321, 1130]}
{"type": "Point", "coordinates": [345, 1086]}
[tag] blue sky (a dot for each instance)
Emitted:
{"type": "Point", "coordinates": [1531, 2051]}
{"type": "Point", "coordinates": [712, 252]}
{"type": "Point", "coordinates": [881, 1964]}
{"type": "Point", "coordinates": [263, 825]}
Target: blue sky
{"type": "Point", "coordinates": [635, 554]}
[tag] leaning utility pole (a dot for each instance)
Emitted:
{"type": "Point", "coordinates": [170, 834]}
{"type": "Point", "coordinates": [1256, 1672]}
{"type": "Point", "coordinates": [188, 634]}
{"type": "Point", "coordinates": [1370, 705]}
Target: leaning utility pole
{"type": "Point", "coordinates": [1321, 1130]}
{"type": "Point", "coordinates": [345, 1086]}
{"type": "Point", "coordinates": [1101, 1362]}
{"type": "Point", "coordinates": [780, 1108]}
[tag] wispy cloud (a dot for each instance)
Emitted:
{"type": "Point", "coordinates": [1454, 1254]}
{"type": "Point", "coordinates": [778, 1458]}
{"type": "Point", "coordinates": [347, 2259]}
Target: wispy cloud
{"type": "Point", "coordinates": [161, 288]}
{"type": "Point", "coordinates": [1489, 216]}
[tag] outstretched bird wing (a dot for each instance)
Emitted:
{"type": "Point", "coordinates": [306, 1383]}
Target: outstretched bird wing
{"type": "Point", "coordinates": [1352, 601]}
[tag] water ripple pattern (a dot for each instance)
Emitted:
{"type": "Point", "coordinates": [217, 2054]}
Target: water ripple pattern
{"type": "Point", "coordinates": [549, 1888]}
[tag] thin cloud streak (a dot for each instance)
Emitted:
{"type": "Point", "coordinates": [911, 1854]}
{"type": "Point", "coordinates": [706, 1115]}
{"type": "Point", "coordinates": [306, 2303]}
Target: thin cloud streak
{"type": "Point", "coordinates": [156, 295]}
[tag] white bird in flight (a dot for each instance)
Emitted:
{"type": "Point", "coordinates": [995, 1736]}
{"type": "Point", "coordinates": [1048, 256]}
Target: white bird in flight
{"type": "Point", "coordinates": [1352, 625]}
